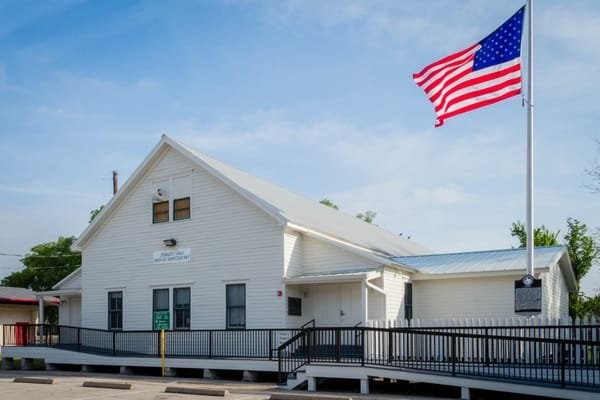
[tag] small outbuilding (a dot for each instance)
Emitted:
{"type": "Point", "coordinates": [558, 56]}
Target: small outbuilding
{"type": "Point", "coordinates": [21, 306]}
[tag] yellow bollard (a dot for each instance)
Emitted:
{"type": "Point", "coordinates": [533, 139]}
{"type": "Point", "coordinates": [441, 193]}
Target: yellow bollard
{"type": "Point", "coordinates": [162, 350]}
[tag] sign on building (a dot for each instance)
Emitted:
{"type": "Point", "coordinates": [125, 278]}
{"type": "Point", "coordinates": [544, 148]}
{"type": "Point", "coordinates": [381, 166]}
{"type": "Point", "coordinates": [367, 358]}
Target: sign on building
{"type": "Point", "coordinates": [172, 256]}
{"type": "Point", "coordinates": [161, 320]}
{"type": "Point", "coordinates": [528, 295]}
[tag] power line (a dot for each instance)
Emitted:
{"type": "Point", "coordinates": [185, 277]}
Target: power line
{"type": "Point", "coordinates": [38, 256]}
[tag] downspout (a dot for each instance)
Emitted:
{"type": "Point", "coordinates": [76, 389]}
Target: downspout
{"type": "Point", "coordinates": [365, 301]}
{"type": "Point", "coordinates": [383, 293]}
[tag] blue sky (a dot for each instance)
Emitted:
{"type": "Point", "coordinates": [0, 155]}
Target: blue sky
{"type": "Point", "coordinates": [315, 96]}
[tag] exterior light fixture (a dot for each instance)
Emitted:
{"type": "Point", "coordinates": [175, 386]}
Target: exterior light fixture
{"type": "Point", "coordinates": [170, 242]}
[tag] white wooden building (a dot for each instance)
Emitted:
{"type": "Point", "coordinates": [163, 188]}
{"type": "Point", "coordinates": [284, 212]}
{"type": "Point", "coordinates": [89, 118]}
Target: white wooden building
{"type": "Point", "coordinates": [192, 243]}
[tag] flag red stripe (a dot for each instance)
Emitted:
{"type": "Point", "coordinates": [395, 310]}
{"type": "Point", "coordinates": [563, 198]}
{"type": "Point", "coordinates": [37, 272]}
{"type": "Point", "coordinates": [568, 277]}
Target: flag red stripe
{"type": "Point", "coordinates": [443, 60]}
{"type": "Point", "coordinates": [447, 72]}
{"type": "Point", "coordinates": [481, 92]}
{"type": "Point", "coordinates": [456, 78]}
{"type": "Point", "coordinates": [441, 118]}
{"type": "Point", "coordinates": [477, 81]}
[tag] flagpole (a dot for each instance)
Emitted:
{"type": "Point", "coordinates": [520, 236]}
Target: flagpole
{"type": "Point", "coordinates": [529, 102]}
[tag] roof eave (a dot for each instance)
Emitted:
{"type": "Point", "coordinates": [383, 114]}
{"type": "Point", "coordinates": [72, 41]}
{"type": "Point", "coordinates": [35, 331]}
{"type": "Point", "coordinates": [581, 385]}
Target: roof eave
{"type": "Point", "coordinates": [316, 279]}
{"type": "Point", "coordinates": [353, 248]}
{"type": "Point", "coordinates": [421, 276]}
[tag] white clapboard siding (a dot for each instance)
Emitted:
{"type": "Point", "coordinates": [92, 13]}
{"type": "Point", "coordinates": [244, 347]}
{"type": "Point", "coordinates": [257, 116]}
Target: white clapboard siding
{"type": "Point", "coordinates": [231, 241]}
{"type": "Point", "coordinates": [464, 297]}
{"type": "Point", "coordinates": [376, 300]}
{"type": "Point", "coordinates": [320, 257]}
{"type": "Point", "coordinates": [292, 253]}
{"type": "Point", "coordinates": [555, 295]}
{"type": "Point", "coordinates": [393, 281]}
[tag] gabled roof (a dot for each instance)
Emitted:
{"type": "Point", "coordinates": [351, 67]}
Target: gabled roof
{"type": "Point", "coordinates": [16, 295]}
{"type": "Point", "coordinates": [286, 207]}
{"type": "Point", "coordinates": [67, 281]}
{"type": "Point", "coordinates": [491, 261]}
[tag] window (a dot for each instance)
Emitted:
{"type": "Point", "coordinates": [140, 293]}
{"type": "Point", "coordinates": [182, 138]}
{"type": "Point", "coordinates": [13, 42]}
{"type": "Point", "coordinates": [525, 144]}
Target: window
{"type": "Point", "coordinates": [408, 304]}
{"type": "Point", "coordinates": [115, 310]}
{"type": "Point", "coordinates": [181, 208]}
{"type": "Point", "coordinates": [160, 212]}
{"type": "Point", "coordinates": [181, 304]}
{"type": "Point", "coordinates": [294, 306]}
{"type": "Point", "coordinates": [236, 306]}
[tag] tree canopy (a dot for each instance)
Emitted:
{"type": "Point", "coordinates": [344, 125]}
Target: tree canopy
{"type": "Point", "coordinates": [367, 216]}
{"type": "Point", "coordinates": [329, 203]}
{"type": "Point", "coordinates": [542, 236]}
{"type": "Point", "coordinates": [582, 251]}
{"type": "Point", "coordinates": [45, 265]}
{"type": "Point", "coordinates": [94, 213]}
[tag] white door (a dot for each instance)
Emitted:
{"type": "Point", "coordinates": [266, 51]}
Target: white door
{"type": "Point", "coordinates": [337, 305]}
{"type": "Point", "coordinates": [350, 304]}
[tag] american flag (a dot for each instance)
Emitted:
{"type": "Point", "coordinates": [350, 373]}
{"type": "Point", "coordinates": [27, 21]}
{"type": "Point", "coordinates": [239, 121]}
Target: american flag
{"type": "Point", "coordinates": [482, 74]}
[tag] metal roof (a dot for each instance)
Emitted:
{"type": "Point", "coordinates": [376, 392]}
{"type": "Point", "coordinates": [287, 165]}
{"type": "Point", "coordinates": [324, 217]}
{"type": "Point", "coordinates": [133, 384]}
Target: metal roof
{"type": "Point", "coordinates": [482, 261]}
{"type": "Point", "coordinates": [311, 214]}
{"type": "Point", "coordinates": [335, 277]}
{"type": "Point", "coordinates": [16, 295]}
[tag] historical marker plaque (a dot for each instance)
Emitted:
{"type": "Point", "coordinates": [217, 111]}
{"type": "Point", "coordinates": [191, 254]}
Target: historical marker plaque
{"type": "Point", "coordinates": [528, 295]}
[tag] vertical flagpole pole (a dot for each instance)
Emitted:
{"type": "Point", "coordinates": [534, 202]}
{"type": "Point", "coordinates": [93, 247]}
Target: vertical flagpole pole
{"type": "Point", "coordinates": [530, 228]}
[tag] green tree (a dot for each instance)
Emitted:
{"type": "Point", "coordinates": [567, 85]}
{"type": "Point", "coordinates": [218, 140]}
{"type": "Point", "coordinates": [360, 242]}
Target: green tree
{"type": "Point", "coordinates": [94, 213]}
{"type": "Point", "coordinates": [582, 251]}
{"type": "Point", "coordinates": [45, 265]}
{"type": "Point", "coordinates": [329, 203]}
{"type": "Point", "coordinates": [542, 236]}
{"type": "Point", "coordinates": [367, 216]}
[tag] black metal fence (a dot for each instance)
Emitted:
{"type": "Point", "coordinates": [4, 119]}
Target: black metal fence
{"type": "Point", "coordinates": [214, 343]}
{"type": "Point", "coordinates": [563, 355]}
{"type": "Point", "coordinates": [568, 356]}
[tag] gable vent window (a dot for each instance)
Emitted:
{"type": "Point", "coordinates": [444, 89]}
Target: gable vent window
{"type": "Point", "coordinates": [181, 208]}
{"type": "Point", "coordinates": [160, 212]}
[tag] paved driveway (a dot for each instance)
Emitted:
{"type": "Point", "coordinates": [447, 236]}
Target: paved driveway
{"type": "Point", "coordinates": [68, 386]}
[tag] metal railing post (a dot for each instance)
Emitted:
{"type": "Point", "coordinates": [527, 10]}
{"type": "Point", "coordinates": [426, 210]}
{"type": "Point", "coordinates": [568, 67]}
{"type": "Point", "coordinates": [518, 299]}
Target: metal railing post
{"type": "Point", "coordinates": [309, 348]}
{"type": "Point", "coordinates": [210, 343]}
{"type": "Point", "coordinates": [453, 354]}
{"type": "Point", "coordinates": [270, 344]}
{"type": "Point", "coordinates": [562, 364]}
{"type": "Point", "coordinates": [487, 348]}
{"type": "Point", "coordinates": [78, 339]}
{"type": "Point", "coordinates": [390, 346]}
{"type": "Point", "coordinates": [338, 345]}
{"type": "Point", "coordinates": [363, 347]}
{"type": "Point", "coordinates": [114, 345]}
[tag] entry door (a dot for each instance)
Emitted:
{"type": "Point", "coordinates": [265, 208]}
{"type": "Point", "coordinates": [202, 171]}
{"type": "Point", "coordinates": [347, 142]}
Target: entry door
{"type": "Point", "coordinates": [350, 304]}
{"type": "Point", "coordinates": [337, 305]}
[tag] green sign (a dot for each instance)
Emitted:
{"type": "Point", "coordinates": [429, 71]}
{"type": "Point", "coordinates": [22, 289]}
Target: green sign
{"type": "Point", "coordinates": [161, 320]}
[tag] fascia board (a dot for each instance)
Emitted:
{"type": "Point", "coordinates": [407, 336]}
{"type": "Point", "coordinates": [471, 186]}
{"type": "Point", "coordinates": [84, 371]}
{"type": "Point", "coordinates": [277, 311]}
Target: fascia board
{"type": "Point", "coordinates": [67, 278]}
{"type": "Point", "coordinates": [121, 194]}
{"type": "Point", "coordinates": [352, 248]}
{"type": "Point", "coordinates": [141, 171]}
{"type": "Point", "coordinates": [257, 201]}
{"type": "Point", "coordinates": [420, 276]}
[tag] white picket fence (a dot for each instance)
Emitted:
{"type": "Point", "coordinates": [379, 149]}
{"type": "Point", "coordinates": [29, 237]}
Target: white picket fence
{"type": "Point", "coordinates": [516, 321]}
